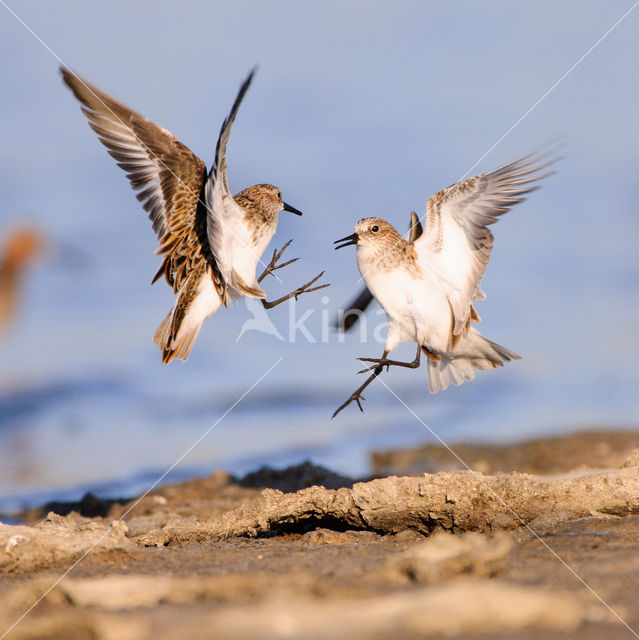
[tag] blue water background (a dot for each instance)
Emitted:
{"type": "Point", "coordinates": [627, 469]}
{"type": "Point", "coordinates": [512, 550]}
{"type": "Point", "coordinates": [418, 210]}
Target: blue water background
{"type": "Point", "coordinates": [358, 108]}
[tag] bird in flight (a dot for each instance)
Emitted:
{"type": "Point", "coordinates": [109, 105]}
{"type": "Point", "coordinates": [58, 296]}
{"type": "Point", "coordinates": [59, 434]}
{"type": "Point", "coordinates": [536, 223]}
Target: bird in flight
{"type": "Point", "coordinates": [210, 240]}
{"type": "Point", "coordinates": [428, 281]}
{"type": "Point", "coordinates": [21, 246]}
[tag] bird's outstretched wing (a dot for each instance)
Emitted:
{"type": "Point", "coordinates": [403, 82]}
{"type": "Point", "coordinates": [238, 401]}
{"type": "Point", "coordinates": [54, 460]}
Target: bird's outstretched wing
{"type": "Point", "coordinates": [168, 175]}
{"type": "Point", "coordinates": [347, 319]}
{"type": "Point", "coordinates": [457, 243]}
{"type": "Point", "coordinates": [359, 304]}
{"type": "Point", "coordinates": [225, 223]}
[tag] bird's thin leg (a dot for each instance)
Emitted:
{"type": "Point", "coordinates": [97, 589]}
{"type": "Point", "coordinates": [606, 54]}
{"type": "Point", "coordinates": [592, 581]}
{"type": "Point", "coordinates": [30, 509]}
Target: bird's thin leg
{"type": "Point", "coordinates": [273, 266]}
{"type": "Point", "coordinates": [305, 288]}
{"type": "Point", "coordinates": [384, 362]}
{"type": "Point", "coordinates": [356, 396]}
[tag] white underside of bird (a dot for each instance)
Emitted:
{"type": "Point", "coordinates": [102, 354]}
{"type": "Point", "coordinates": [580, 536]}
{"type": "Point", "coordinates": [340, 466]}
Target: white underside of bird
{"type": "Point", "coordinates": [241, 264]}
{"type": "Point", "coordinates": [418, 310]}
{"type": "Point", "coordinates": [428, 283]}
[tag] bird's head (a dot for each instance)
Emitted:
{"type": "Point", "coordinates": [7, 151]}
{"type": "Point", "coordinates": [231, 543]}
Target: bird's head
{"type": "Point", "coordinates": [378, 243]}
{"type": "Point", "coordinates": [370, 233]}
{"type": "Point", "coordinates": [265, 197]}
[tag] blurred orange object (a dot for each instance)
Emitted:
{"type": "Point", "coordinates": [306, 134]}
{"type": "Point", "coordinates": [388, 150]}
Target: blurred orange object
{"type": "Point", "coordinates": [21, 247]}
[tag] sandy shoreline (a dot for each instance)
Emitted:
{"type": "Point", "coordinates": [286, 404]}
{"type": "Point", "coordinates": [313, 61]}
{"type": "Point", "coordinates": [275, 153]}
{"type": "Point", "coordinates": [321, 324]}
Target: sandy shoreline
{"type": "Point", "coordinates": [431, 551]}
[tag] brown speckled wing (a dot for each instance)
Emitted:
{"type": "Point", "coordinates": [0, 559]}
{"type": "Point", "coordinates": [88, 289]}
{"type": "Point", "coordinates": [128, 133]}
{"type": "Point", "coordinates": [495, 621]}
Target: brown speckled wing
{"type": "Point", "coordinates": [168, 175]}
{"type": "Point", "coordinates": [457, 242]}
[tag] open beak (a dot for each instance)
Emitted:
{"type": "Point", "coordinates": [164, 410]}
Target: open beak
{"type": "Point", "coordinates": [287, 207]}
{"type": "Point", "coordinates": [352, 239]}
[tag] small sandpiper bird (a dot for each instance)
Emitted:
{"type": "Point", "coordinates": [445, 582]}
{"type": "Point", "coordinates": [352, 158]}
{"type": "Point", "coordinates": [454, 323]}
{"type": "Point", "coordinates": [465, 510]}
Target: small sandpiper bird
{"type": "Point", "coordinates": [21, 247]}
{"type": "Point", "coordinates": [211, 241]}
{"type": "Point", "coordinates": [428, 281]}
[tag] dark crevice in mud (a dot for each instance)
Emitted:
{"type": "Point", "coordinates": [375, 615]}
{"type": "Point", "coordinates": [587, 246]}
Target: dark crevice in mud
{"type": "Point", "coordinates": [90, 506]}
{"type": "Point", "coordinates": [311, 523]}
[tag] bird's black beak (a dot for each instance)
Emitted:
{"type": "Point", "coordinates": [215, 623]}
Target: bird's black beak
{"type": "Point", "coordinates": [352, 239]}
{"type": "Point", "coordinates": [287, 207]}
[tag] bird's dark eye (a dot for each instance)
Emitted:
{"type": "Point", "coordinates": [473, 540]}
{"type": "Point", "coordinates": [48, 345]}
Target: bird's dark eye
{"type": "Point", "coordinates": [279, 195]}
{"type": "Point", "coordinates": [374, 228]}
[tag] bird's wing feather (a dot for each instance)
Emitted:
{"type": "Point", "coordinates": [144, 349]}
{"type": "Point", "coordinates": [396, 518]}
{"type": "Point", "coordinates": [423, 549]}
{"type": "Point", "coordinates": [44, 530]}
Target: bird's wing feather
{"type": "Point", "coordinates": [358, 305]}
{"type": "Point", "coordinates": [457, 243]}
{"type": "Point", "coordinates": [415, 229]}
{"type": "Point", "coordinates": [168, 175]}
{"type": "Point", "coordinates": [225, 226]}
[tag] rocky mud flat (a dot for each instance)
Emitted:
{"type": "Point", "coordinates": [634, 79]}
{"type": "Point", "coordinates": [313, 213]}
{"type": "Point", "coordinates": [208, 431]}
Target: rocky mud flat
{"type": "Point", "coordinates": [539, 540]}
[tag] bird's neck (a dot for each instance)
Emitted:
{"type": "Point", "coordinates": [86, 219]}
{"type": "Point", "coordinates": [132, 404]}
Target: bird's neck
{"type": "Point", "coordinates": [389, 255]}
{"type": "Point", "coordinates": [259, 216]}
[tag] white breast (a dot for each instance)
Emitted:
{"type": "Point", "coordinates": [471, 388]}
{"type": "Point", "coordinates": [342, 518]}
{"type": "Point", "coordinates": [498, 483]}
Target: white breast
{"type": "Point", "coordinates": [246, 255]}
{"type": "Point", "coordinates": [416, 307]}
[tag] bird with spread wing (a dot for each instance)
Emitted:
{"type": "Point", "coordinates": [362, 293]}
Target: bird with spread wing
{"type": "Point", "coordinates": [428, 281]}
{"type": "Point", "coordinates": [210, 241]}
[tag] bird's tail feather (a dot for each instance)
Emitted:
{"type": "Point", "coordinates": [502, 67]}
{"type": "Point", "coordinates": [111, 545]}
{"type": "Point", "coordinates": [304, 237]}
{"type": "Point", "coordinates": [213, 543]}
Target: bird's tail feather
{"type": "Point", "coordinates": [473, 352]}
{"type": "Point", "coordinates": [506, 354]}
{"type": "Point", "coordinates": [179, 330]}
{"type": "Point", "coordinates": [441, 373]}
{"type": "Point", "coordinates": [161, 335]}
{"type": "Point", "coordinates": [181, 345]}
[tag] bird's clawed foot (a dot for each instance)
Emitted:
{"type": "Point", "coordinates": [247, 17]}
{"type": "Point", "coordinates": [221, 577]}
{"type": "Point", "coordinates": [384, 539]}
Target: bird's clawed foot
{"type": "Point", "coordinates": [381, 363]}
{"type": "Point", "coordinates": [356, 396]}
{"type": "Point", "coordinates": [385, 362]}
{"type": "Point", "coordinates": [305, 288]}
{"type": "Point", "coordinates": [273, 266]}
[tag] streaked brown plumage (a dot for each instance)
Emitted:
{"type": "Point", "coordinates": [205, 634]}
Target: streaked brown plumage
{"type": "Point", "coordinates": [210, 241]}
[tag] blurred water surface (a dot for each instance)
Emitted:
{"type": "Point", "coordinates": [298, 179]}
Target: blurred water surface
{"type": "Point", "coordinates": [357, 109]}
